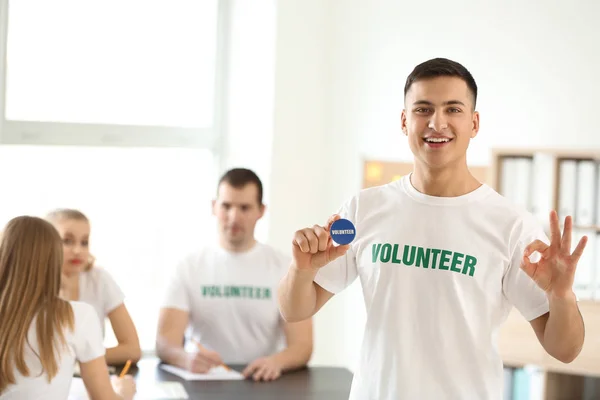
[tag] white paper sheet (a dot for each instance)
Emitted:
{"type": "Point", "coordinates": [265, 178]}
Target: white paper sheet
{"type": "Point", "coordinates": [161, 390]}
{"type": "Point", "coordinates": [214, 374]}
{"type": "Point", "coordinates": [147, 391]}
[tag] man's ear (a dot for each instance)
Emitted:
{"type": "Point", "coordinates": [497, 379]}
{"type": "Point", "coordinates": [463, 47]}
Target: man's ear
{"type": "Point", "coordinates": [403, 122]}
{"type": "Point", "coordinates": [475, 129]}
{"type": "Point", "coordinates": [214, 203]}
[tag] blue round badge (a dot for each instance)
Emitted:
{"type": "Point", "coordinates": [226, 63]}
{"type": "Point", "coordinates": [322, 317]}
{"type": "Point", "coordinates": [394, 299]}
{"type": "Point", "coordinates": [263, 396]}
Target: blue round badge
{"type": "Point", "coordinates": [342, 231]}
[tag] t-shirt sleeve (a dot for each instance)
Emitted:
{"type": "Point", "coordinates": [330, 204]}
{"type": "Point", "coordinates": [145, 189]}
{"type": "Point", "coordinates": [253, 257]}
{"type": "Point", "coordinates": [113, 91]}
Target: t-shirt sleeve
{"type": "Point", "coordinates": [520, 290]}
{"type": "Point", "coordinates": [87, 343]}
{"type": "Point", "coordinates": [112, 293]}
{"type": "Point", "coordinates": [341, 272]}
{"type": "Point", "coordinates": [176, 294]}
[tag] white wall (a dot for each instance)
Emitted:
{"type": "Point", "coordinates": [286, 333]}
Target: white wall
{"type": "Point", "coordinates": [340, 72]}
{"type": "Point", "coordinates": [302, 144]}
{"type": "Point", "coordinates": [535, 67]}
{"type": "Point", "coordinates": [250, 86]}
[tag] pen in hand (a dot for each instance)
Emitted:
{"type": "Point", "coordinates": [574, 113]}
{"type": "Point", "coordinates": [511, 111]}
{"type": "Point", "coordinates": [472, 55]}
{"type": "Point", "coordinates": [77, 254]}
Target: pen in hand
{"type": "Point", "coordinates": [125, 369]}
{"type": "Point", "coordinates": [202, 348]}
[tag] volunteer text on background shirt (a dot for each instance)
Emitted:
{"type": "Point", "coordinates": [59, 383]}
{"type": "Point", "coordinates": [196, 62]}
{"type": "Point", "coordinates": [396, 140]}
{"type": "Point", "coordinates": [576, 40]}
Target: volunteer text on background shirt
{"type": "Point", "coordinates": [232, 300]}
{"type": "Point", "coordinates": [83, 344]}
{"type": "Point", "coordinates": [439, 277]}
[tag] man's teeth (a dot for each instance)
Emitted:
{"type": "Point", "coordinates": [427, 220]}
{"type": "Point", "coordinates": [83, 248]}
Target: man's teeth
{"type": "Point", "coordinates": [437, 140]}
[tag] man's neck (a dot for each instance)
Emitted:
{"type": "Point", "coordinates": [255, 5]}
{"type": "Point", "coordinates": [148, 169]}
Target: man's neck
{"type": "Point", "coordinates": [237, 248]}
{"type": "Point", "coordinates": [451, 181]}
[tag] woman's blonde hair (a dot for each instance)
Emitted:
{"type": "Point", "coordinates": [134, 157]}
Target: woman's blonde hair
{"type": "Point", "coordinates": [61, 214]}
{"type": "Point", "coordinates": [31, 258]}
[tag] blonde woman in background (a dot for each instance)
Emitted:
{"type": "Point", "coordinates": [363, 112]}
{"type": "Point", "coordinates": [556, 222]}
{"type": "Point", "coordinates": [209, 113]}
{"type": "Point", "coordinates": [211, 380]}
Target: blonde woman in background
{"type": "Point", "coordinates": [82, 281]}
{"type": "Point", "coordinates": [42, 335]}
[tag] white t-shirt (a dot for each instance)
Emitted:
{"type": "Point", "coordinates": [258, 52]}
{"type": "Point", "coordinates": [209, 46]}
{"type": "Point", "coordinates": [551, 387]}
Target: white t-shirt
{"type": "Point", "coordinates": [439, 276]}
{"type": "Point", "coordinates": [232, 300]}
{"type": "Point", "coordinates": [84, 344]}
{"type": "Point", "coordinates": [98, 288]}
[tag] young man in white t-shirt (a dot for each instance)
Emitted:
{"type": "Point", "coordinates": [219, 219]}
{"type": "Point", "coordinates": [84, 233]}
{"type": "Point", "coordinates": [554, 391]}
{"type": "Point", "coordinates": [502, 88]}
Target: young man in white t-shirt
{"type": "Point", "coordinates": [226, 294]}
{"type": "Point", "coordinates": [442, 258]}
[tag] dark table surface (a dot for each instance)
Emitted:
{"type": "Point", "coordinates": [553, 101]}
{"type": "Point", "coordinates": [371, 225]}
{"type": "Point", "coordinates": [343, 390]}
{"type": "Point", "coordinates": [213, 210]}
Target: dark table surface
{"type": "Point", "coordinates": [313, 383]}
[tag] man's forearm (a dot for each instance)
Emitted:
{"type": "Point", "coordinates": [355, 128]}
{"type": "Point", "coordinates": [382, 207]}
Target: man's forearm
{"type": "Point", "coordinates": [169, 353]}
{"type": "Point", "coordinates": [297, 294]}
{"type": "Point", "coordinates": [564, 332]}
{"type": "Point", "coordinates": [295, 356]}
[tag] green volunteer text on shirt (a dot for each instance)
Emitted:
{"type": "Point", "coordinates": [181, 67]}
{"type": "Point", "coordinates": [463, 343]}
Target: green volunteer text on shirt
{"type": "Point", "coordinates": [425, 258]}
{"type": "Point", "coordinates": [247, 292]}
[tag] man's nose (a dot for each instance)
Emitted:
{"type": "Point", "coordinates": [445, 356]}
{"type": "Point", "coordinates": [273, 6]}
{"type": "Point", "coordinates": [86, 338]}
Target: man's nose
{"type": "Point", "coordinates": [234, 214]}
{"type": "Point", "coordinates": [438, 122]}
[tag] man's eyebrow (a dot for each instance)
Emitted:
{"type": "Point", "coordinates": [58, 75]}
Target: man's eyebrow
{"type": "Point", "coordinates": [446, 103]}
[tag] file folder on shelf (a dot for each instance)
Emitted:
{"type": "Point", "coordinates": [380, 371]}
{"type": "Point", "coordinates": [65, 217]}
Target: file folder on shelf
{"type": "Point", "coordinates": [516, 180]}
{"type": "Point", "coordinates": [586, 194]}
{"type": "Point", "coordinates": [567, 187]}
{"type": "Point", "coordinates": [585, 274]}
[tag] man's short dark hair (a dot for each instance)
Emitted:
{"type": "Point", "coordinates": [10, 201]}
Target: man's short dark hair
{"type": "Point", "coordinates": [240, 177]}
{"type": "Point", "coordinates": [441, 67]}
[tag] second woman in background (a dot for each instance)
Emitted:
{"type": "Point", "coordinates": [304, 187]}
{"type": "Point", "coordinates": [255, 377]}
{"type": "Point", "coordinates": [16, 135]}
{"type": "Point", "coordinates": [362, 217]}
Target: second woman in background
{"type": "Point", "coordinates": [42, 336]}
{"type": "Point", "coordinates": [82, 281]}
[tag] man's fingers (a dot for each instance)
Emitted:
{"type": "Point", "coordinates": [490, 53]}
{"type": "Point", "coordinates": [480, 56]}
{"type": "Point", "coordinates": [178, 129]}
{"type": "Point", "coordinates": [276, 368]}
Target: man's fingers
{"type": "Point", "coordinates": [313, 241]}
{"type": "Point", "coordinates": [337, 251]}
{"type": "Point", "coordinates": [307, 240]}
{"type": "Point", "coordinates": [269, 375]}
{"type": "Point", "coordinates": [536, 245]}
{"type": "Point", "coordinates": [528, 266]}
{"type": "Point", "coordinates": [200, 366]}
{"type": "Point", "coordinates": [565, 242]}
{"type": "Point", "coordinates": [331, 220]}
{"type": "Point", "coordinates": [249, 369]}
{"type": "Point", "coordinates": [322, 237]}
{"type": "Point", "coordinates": [579, 249]}
{"type": "Point", "coordinates": [273, 375]}
{"type": "Point", "coordinates": [554, 229]}
{"type": "Point", "coordinates": [208, 357]}
{"type": "Point", "coordinates": [212, 356]}
{"type": "Point", "coordinates": [301, 241]}
{"type": "Point", "coordinates": [260, 373]}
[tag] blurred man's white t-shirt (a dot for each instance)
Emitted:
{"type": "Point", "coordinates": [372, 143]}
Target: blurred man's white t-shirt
{"type": "Point", "coordinates": [232, 300]}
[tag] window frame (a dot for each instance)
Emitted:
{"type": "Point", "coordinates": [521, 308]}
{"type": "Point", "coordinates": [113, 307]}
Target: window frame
{"type": "Point", "coordinates": [66, 133]}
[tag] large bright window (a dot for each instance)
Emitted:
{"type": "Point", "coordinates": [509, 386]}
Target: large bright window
{"type": "Point", "coordinates": [131, 72]}
{"type": "Point", "coordinates": [117, 108]}
{"type": "Point", "coordinates": [147, 208]}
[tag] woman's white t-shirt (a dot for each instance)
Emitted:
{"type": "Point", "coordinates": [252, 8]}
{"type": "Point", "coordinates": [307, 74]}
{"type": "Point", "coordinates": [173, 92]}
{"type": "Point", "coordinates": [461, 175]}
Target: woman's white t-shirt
{"type": "Point", "coordinates": [83, 344]}
{"type": "Point", "coordinates": [98, 288]}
